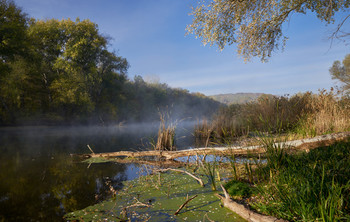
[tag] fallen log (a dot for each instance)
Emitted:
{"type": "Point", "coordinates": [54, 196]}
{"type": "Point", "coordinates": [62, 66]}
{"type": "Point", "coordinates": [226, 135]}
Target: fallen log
{"type": "Point", "coordinates": [170, 155]}
{"type": "Point", "coordinates": [244, 212]}
{"type": "Point", "coordinates": [303, 144]}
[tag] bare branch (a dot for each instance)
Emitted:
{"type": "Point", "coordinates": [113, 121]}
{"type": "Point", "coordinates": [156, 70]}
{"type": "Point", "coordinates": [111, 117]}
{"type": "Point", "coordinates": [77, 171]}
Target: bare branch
{"type": "Point", "coordinates": [184, 204]}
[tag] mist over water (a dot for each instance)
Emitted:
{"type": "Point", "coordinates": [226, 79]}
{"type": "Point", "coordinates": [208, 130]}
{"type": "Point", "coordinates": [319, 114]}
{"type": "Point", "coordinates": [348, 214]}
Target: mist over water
{"type": "Point", "coordinates": [40, 180]}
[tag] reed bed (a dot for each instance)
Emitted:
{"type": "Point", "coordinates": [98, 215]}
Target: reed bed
{"type": "Point", "coordinates": [305, 115]}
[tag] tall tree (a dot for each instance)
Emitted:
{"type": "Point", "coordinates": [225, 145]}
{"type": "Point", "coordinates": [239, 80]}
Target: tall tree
{"type": "Point", "coordinates": [13, 25]}
{"type": "Point", "coordinates": [341, 71]}
{"type": "Point", "coordinates": [256, 26]}
{"type": "Point", "coordinates": [13, 45]}
{"type": "Point", "coordinates": [74, 64]}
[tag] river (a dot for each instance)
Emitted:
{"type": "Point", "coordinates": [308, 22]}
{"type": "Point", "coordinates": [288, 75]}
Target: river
{"type": "Point", "coordinates": [40, 181]}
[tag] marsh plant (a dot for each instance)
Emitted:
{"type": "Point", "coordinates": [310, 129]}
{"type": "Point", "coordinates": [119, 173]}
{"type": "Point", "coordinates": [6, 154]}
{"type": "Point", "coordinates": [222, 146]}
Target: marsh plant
{"type": "Point", "coordinates": [166, 134]}
{"type": "Point", "coordinates": [233, 164]}
{"type": "Point", "coordinates": [304, 114]}
{"type": "Point", "coordinates": [306, 186]}
{"type": "Point", "coordinates": [209, 168]}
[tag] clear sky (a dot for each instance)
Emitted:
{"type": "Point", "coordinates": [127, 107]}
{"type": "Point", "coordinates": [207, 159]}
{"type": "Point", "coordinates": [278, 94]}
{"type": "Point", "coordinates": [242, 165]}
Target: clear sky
{"type": "Point", "coordinates": [150, 34]}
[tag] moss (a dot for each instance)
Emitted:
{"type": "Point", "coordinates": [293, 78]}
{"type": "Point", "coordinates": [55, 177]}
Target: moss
{"type": "Point", "coordinates": [238, 189]}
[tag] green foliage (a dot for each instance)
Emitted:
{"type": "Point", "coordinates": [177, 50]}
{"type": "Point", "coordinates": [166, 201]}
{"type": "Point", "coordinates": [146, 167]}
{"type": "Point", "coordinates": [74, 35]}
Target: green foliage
{"type": "Point", "coordinates": [256, 26]}
{"type": "Point", "coordinates": [341, 72]}
{"type": "Point", "coordinates": [12, 32]}
{"type": "Point", "coordinates": [239, 189]}
{"type": "Point", "coordinates": [209, 168]}
{"type": "Point", "coordinates": [61, 71]}
{"type": "Point", "coordinates": [307, 186]}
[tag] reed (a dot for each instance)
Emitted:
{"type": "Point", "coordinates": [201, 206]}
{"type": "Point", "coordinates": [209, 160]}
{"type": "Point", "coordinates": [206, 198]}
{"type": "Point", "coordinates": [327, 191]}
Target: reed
{"type": "Point", "coordinates": [304, 114]}
{"type": "Point", "coordinates": [209, 168]}
{"type": "Point", "coordinates": [166, 134]}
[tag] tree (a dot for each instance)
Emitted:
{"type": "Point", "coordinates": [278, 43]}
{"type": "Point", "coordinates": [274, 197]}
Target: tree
{"type": "Point", "coordinates": [13, 25]}
{"type": "Point", "coordinates": [13, 46]}
{"type": "Point", "coordinates": [75, 64]}
{"type": "Point", "coordinates": [341, 72]}
{"type": "Point", "coordinates": [256, 26]}
{"type": "Point", "coordinates": [67, 72]}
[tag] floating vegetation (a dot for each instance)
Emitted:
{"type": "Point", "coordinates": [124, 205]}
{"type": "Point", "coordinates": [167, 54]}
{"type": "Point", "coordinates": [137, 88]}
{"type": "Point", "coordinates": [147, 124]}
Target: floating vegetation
{"type": "Point", "coordinates": [97, 160]}
{"type": "Point", "coordinates": [157, 197]}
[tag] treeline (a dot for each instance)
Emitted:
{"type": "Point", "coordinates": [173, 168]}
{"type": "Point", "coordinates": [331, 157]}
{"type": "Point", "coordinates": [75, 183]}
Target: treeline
{"type": "Point", "coordinates": [63, 72]}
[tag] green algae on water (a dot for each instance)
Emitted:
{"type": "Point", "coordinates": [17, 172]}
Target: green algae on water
{"type": "Point", "coordinates": [157, 198]}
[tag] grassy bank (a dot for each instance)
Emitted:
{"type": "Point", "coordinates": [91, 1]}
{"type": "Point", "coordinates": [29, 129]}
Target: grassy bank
{"type": "Point", "coordinates": [312, 186]}
{"type": "Point", "coordinates": [285, 183]}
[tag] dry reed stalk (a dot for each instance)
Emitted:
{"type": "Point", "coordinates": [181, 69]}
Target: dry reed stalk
{"type": "Point", "coordinates": [166, 135]}
{"type": "Point", "coordinates": [328, 115]}
{"type": "Point", "coordinates": [306, 114]}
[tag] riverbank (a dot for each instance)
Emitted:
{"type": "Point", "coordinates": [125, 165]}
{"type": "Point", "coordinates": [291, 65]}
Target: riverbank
{"type": "Point", "coordinates": [331, 162]}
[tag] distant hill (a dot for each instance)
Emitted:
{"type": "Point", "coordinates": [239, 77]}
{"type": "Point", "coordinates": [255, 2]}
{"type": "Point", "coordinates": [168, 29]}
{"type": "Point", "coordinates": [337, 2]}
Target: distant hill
{"type": "Point", "coordinates": [237, 98]}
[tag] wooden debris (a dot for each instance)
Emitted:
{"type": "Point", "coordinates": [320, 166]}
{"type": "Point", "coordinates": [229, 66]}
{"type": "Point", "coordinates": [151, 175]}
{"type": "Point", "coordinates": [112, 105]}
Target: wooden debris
{"type": "Point", "coordinates": [242, 211]}
{"type": "Point", "coordinates": [304, 144]}
{"type": "Point", "coordinates": [184, 204]}
{"type": "Point", "coordinates": [183, 171]}
{"type": "Point", "coordinates": [138, 204]}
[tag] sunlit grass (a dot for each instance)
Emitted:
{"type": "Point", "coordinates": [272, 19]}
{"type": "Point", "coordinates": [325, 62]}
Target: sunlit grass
{"type": "Point", "coordinates": [306, 186]}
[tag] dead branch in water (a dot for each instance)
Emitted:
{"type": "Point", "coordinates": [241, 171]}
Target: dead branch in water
{"type": "Point", "coordinates": [184, 204]}
{"type": "Point", "coordinates": [183, 171]}
{"type": "Point", "coordinates": [138, 204]}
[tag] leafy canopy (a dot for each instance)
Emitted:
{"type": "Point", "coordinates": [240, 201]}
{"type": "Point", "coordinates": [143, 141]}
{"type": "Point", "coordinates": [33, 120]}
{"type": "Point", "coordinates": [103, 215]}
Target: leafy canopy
{"type": "Point", "coordinates": [13, 24]}
{"type": "Point", "coordinates": [255, 25]}
{"type": "Point", "coordinates": [341, 71]}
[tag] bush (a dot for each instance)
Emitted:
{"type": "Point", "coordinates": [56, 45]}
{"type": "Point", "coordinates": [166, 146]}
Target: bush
{"type": "Point", "coordinates": [238, 189]}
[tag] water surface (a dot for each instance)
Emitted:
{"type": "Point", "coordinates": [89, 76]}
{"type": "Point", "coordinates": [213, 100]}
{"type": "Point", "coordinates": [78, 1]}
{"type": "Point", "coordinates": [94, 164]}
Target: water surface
{"type": "Point", "coordinates": [41, 182]}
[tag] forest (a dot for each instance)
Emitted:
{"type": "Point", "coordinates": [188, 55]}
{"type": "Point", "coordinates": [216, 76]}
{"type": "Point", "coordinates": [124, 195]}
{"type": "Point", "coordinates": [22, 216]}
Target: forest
{"type": "Point", "coordinates": [63, 72]}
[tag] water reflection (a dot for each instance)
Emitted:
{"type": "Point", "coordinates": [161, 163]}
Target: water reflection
{"type": "Point", "coordinates": [39, 179]}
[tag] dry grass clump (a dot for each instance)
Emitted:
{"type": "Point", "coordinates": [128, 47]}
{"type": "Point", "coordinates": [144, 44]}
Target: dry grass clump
{"type": "Point", "coordinates": [326, 114]}
{"type": "Point", "coordinates": [305, 114]}
{"type": "Point", "coordinates": [166, 135]}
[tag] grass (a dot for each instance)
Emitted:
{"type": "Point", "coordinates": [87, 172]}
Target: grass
{"type": "Point", "coordinates": [312, 186]}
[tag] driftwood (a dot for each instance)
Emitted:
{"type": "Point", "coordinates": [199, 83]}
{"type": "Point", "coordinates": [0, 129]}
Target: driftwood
{"type": "Point", "coordinates": [183, 171]}
{"type": "Point", "coordinates": [244, 212]}
{"type": "Point", "coordinates": [156, 163]}
{"type": "Point", "coordinates": [170, 155]}
{"type": "Point", "coordinates": [138, 204]}
{"type": "Point", "coordinates": [184, 204]}
{"type": "Point", "coordinates": [304, 144]}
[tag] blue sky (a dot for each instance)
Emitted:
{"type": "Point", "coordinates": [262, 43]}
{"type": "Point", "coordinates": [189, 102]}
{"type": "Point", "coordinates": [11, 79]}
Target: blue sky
{"type": "Point", "coordinates": [151, 35]}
